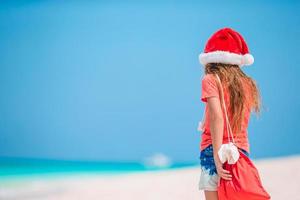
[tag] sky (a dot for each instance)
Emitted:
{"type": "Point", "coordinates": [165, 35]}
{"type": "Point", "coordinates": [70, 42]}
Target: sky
{"type": "Point", "coordinates": [121, 81]}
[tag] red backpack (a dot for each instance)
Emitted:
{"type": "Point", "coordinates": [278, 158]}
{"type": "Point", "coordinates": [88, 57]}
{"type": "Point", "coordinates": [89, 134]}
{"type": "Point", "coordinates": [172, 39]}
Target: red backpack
{"type": "Point", "coordinates": [245, 183]}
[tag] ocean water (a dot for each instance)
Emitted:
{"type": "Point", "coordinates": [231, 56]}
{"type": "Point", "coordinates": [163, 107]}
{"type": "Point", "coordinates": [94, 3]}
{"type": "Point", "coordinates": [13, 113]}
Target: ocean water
{"type": "Point", "coordinates": [22, 168]}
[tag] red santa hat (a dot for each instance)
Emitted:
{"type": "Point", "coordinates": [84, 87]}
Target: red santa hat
{"type": "Point", "coordinates": [226, 46]}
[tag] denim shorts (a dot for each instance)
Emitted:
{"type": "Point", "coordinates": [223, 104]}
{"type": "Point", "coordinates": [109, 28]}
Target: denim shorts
{"type": "Point", "coordinates": [209, 177]}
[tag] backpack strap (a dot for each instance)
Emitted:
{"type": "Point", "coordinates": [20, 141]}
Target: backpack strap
{"type": "Point", "coordinates": [229, 130]}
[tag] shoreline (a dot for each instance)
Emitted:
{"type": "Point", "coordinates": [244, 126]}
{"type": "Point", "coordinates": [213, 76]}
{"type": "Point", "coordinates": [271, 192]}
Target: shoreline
{"type": "Point", "coordinates": [175, 184]}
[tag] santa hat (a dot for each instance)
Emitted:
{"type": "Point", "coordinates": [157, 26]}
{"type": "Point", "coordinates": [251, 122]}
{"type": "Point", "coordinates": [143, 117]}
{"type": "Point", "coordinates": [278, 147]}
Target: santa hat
{"type": "Point", "coordinates": [226, 46]}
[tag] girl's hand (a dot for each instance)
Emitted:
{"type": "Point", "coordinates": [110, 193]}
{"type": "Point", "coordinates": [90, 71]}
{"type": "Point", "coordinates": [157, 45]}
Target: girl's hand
{"type": "Point", "coordinates": [225, 174]}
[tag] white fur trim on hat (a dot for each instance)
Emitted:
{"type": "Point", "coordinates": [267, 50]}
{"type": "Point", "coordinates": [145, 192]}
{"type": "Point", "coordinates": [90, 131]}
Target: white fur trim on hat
{"type": "Point", "coordinates": [226, 57]}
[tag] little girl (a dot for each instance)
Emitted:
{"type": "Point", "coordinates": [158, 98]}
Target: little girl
{"type": "Point", "coordinates": [224, 55]}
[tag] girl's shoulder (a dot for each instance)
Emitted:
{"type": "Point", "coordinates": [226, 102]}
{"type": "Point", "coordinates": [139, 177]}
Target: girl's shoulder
{"type": "Point", "coordinates": [209, 78]}
{"type": "Point", "coordinates": [209, 87]}
{"type": "Point", "coordinates": [209, 82]}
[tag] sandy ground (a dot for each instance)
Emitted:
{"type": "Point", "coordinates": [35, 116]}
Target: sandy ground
{"type": "Point", "coordinates": [280, 176]}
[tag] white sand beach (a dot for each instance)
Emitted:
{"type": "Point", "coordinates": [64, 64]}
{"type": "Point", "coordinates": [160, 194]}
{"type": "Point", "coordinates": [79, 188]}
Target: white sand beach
{"type": "Point", "coordinates": [280, 176]}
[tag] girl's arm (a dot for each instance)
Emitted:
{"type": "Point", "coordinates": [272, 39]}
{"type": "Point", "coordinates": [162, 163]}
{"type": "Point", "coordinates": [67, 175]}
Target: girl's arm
{"type": "Point", "coordinates": [216, 129]}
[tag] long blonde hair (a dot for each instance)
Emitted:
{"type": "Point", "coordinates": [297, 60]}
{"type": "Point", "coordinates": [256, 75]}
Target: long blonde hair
{"type": "Point", "coordinates": [231, 78]}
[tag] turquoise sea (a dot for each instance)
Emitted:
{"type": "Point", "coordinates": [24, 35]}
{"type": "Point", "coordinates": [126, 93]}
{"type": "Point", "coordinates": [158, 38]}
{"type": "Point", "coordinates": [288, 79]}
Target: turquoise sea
{"type": "Point", "coordinates": [22, 168]}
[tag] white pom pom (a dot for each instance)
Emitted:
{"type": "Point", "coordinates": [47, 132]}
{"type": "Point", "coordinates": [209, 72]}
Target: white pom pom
{"type": "Point", "coordinates": [200, 126]}
{"type": "Point", "coordinates": [248, 59]}
{"type": "Point", "coordinates": [228, 152]}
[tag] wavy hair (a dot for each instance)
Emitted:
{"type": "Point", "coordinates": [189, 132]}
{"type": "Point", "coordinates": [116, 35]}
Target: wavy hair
{"type": "Point", "coordinates": [231, 78]}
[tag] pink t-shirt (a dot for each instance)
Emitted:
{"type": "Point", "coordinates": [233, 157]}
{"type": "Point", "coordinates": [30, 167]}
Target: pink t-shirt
{"type": "Point", "coordinates": [210, 89]}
